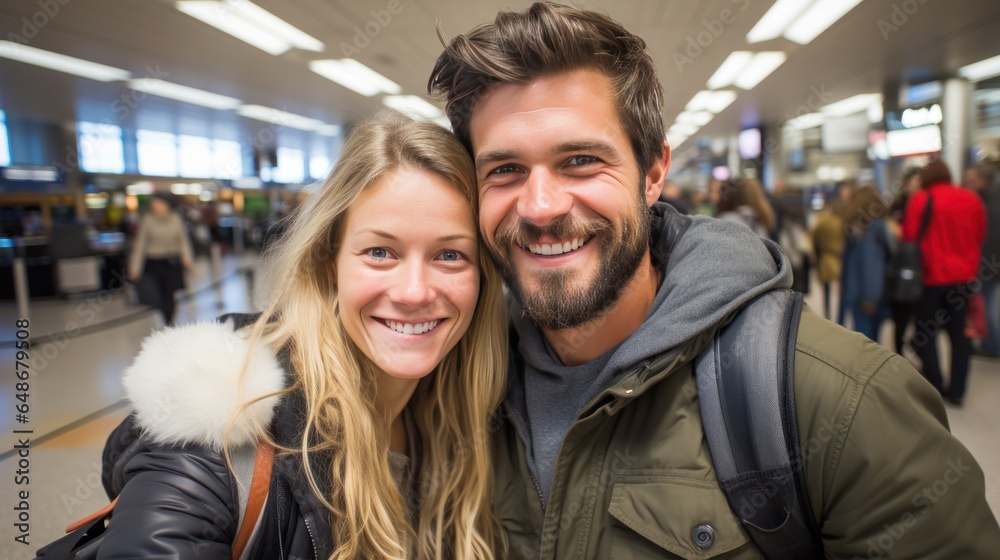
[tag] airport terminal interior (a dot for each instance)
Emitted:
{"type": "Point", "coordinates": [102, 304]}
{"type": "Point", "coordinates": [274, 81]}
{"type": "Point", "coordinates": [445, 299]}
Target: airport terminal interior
{"type": "Point", "coordinates": [233, 112]}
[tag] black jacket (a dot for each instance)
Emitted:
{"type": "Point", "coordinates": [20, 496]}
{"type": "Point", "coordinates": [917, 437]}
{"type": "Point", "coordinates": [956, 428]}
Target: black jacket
{"type": "Point", "coordinates": [177, 496]}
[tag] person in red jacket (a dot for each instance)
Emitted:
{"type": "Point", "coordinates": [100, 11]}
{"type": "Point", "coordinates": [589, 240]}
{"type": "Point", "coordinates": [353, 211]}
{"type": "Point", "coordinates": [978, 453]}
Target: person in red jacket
{"type": "Point", "coordinates": [951, 251]}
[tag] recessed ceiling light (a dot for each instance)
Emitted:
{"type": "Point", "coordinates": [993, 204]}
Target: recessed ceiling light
{"type": "Point", "coordinates": [760, 67]}
{"type": "Point", "coordinates": [777, 18]}
{"type": "Point", "coordinates": [355, 76]}
{"type": "Point", "coordinates": [730, 69]}
{"type": "Point", "coordinates": [851, 105]}
{"type": "Point", "coordinates": [817, 19]}
{"type": "Point", "coordinates": [62, 63]}
{"type": "Point", "coordinates": [412, 104]}
{"type": "Point", "coordinates": [251, 24]}
{"type": "Point", "coordinates": [712, 101]}
{"type": "Point", "coordinates": [981, 70]}
{"type": "Point", "coordinates": [279, 117]}
{"type": "Point", "coordinates": [186, 94]}
{"type": "Point", "coordinates": [699, 118]}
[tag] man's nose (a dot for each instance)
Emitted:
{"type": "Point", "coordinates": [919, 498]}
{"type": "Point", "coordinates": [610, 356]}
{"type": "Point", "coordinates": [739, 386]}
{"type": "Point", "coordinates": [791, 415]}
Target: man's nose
{"type": "Point", "coordinates": [543, 199]}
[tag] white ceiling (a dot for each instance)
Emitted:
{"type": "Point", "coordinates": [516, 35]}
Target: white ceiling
{"type": "Point", "coordinates": [150, 36]}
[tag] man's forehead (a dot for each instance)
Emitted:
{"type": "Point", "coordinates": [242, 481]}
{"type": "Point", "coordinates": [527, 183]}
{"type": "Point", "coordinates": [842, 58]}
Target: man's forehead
{"type": "Point", "coordinates": [549, 98]}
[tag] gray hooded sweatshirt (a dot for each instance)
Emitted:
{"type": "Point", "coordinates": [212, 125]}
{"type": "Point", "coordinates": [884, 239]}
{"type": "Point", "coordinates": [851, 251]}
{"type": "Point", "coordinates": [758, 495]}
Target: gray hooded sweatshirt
{"type": "Point", "coordinates": [711, 268]}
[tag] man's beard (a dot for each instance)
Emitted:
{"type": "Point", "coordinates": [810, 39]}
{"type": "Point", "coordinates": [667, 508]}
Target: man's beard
{"type": "Point", "coordinates": [556, 304]}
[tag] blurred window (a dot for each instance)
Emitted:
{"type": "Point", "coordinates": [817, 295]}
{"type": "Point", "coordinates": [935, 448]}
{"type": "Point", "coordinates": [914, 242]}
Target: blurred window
{"type": "Point", "coordinates": [291, 166]}
{"type": "Point", "coordinates": [157, 152]}
{"type": "Point", "coordinates": [228, 159]}
{"type": "Point", "coordinates": [319, 167]}
{"type": "Point", "coordinates": [101, 147]}
{"type": "Point", "coordinates": [195, 156]}
{"type": "Point", "coordinates": [4, 142]}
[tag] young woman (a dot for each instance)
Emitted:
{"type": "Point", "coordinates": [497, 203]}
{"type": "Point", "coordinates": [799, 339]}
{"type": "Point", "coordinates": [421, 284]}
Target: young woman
{"type": "Point", "coordinates": [374, 371]}
{"type": "Point", "coordinates": [161, 253]}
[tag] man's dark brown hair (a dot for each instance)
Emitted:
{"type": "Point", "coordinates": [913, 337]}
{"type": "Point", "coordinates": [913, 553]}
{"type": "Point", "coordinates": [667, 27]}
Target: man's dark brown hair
{"type": "Point", "coordinates": [933, 173]}
{"type": "Point", "coordinates": [547, 39]}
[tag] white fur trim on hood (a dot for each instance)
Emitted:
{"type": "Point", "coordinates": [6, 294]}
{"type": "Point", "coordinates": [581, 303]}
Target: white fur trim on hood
{"type": "Point", "coordinates": [183, 385]}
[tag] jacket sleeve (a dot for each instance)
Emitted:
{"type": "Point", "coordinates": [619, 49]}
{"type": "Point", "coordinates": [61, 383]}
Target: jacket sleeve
{"type": "Point", "coordinates": [898, 484]}
{"type": "Point", "coordinates": [912, 217]}
{"type": "Point", "coordinates": [176, 503]}
{"type": "Point", "coordinates": [138, 256]}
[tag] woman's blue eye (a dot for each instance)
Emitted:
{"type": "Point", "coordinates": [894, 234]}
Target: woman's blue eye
{"type": "Point", "coordinates": [378, 253]}
{"type": "Point", "coordinates": [451, 255]}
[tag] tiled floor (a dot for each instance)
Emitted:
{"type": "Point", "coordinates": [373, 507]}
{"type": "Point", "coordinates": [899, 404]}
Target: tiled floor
{"type": "Point", "coordinates": [76, 397]}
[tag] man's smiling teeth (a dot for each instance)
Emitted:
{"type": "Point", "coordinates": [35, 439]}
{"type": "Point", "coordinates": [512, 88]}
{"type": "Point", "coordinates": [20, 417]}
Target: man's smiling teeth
{"type": "Point", "coordinates": [411, 328]}
{"type": "Point", "coordinates": [556, 248]}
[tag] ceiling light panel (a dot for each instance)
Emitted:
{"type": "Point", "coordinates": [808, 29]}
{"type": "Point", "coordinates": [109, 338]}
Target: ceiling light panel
{"type": "Point", "coordinates": [251, 24]}
{"type": "Point", "coordinates": [981, 70]}
{"type": "Point", "coordinates": [851, 105]}
{"type": "Point", "coordinates": [279, 117]}
{"type": "Point", "coordinates": [760, 67]}
{"type": "Point", "coordinates": [712, 101]}
{"type": "Point", "coordinates": [699, 118]}
{"type": "Point", "coordinates": [730, 69]}
{"type": "Point", "coordinates": [271, 23]}
{"type": "Point", "coordinates": [817, 19]}
{"type": "Point", "coordinates": [186, 94]}
{"type": "Point", "coordinates": [355, 76]}
{"type": "Point", "coordinates": [412, 104]}
{"type": "Point", "coordinates": [776, 20]}
{"type": "Point", "coordinates": [62, 63]}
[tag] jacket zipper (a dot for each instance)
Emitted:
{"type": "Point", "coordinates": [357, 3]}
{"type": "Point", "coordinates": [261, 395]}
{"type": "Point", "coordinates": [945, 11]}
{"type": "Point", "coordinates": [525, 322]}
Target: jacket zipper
{"type": "Point", "coordinates": [312, 537]}
{"type": "Point", "coordinates": [281, 522]}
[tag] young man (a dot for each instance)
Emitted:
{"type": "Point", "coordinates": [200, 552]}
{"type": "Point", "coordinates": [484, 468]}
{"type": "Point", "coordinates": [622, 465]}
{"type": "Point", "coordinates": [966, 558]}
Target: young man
{"type": "Point", "coordinates": [604, 454]}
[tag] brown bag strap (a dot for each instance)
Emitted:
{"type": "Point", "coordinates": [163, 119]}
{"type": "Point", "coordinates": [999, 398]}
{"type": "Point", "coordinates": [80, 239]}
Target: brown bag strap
{"type": "Point", "coordinates": [103, 512]}
{"type": "Point", "coordinates": [259, 488]}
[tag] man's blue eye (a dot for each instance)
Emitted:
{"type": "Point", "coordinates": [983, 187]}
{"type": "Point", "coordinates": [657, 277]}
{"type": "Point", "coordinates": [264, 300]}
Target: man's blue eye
{"type": "Point", "coordinates": [582, 160]}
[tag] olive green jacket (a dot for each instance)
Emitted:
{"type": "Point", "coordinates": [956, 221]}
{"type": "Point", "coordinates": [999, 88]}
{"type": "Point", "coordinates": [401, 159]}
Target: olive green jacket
{"type": "Point", "coordinates": [634, 479]}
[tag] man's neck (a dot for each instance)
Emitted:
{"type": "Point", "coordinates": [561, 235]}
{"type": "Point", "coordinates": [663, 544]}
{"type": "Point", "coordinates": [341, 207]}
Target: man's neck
{"type": "Point", "coordinates": [584, 343]}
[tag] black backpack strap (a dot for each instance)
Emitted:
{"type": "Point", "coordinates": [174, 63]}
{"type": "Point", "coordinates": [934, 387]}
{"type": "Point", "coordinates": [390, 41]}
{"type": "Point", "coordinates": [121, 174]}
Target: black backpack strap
{"type": "Point", "coordinates": [747, 400]}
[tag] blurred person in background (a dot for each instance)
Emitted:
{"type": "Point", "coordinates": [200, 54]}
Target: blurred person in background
{"type": "Point", "coordinates": [744, 201]}
{"type": "Point", "coordinates": [672, 195]}
{"type": "Point", "coordinates": [844, 194]}
{"type": "Point", "coordinates": [950, 249]}
{"type": "Point", "coordinates": [714, 196]}
{"type": "Point", "coordinates": [828, 239]}
{"type": "Point", "coordinates": [981, 180]}
{"type": "Point", "coordinates": [902, 311]}
{"type": "Point", "coordinates": [865, 256]}
{"type": "Point", "coordinates": [161, 254]}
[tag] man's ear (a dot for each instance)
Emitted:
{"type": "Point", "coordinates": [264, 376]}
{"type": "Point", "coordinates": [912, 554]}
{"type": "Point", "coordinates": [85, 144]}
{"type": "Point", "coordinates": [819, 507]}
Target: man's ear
{"type": "Point", "coordinates": [656, 174]}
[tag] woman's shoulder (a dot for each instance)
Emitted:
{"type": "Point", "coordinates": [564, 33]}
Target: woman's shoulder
{"type": "Point", "coordinates": [185, 385]}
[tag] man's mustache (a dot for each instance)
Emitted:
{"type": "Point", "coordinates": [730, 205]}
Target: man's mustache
{"type": "Point", "coordinates": [524, 233]}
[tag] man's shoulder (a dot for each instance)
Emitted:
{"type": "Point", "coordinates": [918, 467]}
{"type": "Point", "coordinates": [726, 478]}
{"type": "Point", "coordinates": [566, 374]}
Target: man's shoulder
{"type": "Point", "coordinates": [844, 355]}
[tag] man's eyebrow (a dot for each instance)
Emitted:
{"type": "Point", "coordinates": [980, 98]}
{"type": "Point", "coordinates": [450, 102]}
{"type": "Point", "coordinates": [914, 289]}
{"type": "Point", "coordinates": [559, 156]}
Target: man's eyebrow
{"type": "Point", "coordinates": [588, 146]}
{"type": "Point", "coordinates": [492, 157]}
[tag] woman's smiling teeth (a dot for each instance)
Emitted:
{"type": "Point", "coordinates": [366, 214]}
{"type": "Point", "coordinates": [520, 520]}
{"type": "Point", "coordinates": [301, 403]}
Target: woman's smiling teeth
{"type": "Point", "coordinates": [411, 328]}
{"type": "Point", "coordinates": [556, 248]}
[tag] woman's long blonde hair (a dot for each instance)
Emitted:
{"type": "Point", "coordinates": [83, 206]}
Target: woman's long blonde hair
{"type": "Point", "coordinates": [452, 406]}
